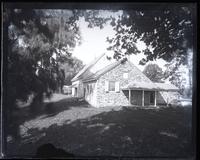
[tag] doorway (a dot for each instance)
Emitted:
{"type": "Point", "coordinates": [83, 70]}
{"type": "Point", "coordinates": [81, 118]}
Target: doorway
{"type": "Point", "coordinates": [84, 91]}
{"type": "Point", "coordinates": [76, 94]}
{"type": "Point", "coordinates": [151, 99]}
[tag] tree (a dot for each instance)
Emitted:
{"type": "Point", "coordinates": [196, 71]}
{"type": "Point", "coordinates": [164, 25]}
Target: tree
{"type": "Point", "coordinates": [177, 75]}
{"type": "Point", "coordinates": [153, 72]}
{"type": "Point", "coordinates": [71, 69]}
{"type": "Point", "coordinates": [35, 49]}
{"type": "Point", "coordinates": [166, 29]}
{"type": "Point", "coordinates": [179, 81]}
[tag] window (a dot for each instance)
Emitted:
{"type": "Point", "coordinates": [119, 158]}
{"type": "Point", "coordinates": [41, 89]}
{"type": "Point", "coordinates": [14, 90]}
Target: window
{"type": "Point", "coordinates": [89, 88]}
{"type": "Point", "coordinates": [125, 75]}
{"type": "Point", "coordinates": [111, 85]}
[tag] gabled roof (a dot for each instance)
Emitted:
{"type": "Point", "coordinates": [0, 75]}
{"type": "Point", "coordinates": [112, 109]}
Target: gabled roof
{"type": "Point", "coordinates": [89, 74]}
{"type": "Point", "coordinates": [86, 68]}
{"type": "Point", "coordinates": [102, 71]}
{"type": "Point", "coordinates": [86, 74]}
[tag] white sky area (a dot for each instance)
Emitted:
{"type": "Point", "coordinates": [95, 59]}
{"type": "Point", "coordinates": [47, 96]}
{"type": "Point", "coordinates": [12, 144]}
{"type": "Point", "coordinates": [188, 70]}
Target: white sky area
{"type": "Point", "coordinates": [94, 44]}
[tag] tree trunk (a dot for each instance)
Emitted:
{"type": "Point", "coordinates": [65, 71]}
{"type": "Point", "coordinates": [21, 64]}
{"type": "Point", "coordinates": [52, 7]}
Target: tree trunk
{"type": "Point", "coordinates": [37, 103]}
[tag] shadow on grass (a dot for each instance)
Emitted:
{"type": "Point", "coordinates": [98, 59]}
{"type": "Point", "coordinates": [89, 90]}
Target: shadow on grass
{"type": "Point", "coordinates": [127, 132]}
{"type": "Point", "coordinates": [51, 109]}
{"type": "Point", "coordinates": [46, 109]}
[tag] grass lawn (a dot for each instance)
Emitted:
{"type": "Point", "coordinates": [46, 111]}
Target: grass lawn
{"type": "Point", "coordinates": [83, 130]}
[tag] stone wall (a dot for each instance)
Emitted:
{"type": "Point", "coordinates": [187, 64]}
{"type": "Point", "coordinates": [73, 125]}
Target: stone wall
{"type": "Point", "coordinates": [160, 99]}
{"type": "Point", "coordinates": [170, 97]}
{"type": "Point", "coordinates": [118, 98]}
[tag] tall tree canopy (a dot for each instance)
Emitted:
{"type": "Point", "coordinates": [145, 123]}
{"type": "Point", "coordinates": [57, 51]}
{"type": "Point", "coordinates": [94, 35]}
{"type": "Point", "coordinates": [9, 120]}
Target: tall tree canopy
{"type": "Point", "coordinates": [36, 43]}
{"type": "Point", "coordinates": [166, 29]}
{"type": "Point", "coordinates": [167, 32]}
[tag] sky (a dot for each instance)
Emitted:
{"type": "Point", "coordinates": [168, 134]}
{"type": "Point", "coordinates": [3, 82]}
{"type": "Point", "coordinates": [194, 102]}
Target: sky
{"type": "Point", "coordinates": [94, 44]}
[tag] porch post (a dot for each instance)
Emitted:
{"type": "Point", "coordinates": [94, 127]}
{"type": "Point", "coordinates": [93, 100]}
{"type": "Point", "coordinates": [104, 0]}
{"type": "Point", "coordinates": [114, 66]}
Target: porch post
{"type": "Point", "coordinates": [129, 96]}
{"type": "Point", "coordinates": [142, 98]}
{"type": "Point", "coordinates": [73, 91]}
{"type": "Point", "coordinates": [155, 98]}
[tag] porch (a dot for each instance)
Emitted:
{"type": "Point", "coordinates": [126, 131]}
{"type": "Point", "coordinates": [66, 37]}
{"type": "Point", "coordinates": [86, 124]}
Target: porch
{"type": "Point", "coordinates": [141, 97]}
{"type": "Point", "coordinates": [148, 94]}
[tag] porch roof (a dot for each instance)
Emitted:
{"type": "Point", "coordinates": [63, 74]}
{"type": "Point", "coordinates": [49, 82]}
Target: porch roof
{"type": "Point", "coordinates": [150, 86]}
{"type": "Point", "coordinates": [167, 86]}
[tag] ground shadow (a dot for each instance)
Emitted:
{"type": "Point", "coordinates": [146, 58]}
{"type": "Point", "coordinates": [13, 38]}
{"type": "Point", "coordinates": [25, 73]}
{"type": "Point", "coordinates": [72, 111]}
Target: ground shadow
{"type": "Point", "coordinates": [47, 109]}
{"type": "Point", "coordinates": [53, 108]}
{"type": "Point", "coordinates": [128, 132]}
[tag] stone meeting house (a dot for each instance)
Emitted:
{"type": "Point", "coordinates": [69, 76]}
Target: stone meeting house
{"type": "Point", "coordinates": [120, 83]}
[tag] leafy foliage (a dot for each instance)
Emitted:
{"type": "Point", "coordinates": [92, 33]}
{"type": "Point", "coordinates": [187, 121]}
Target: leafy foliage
{"type": "Point", "coordinates": [35, 49]}
{"type": "Point", "coordinates": [166, 29]}
{"type": "Point", "coordinates": [153, 72]}
{"type": "Point", "coordinates": [177, 75]}
{"type": "Point", "coordinates": [70, 70]}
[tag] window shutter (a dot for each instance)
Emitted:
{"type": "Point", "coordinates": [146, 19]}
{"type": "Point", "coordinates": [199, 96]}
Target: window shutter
{"type": "Point", "coordinates": [116, 86]}
{"type": "Point", "coordinates": [106, 86]}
